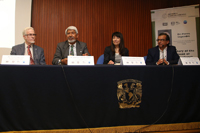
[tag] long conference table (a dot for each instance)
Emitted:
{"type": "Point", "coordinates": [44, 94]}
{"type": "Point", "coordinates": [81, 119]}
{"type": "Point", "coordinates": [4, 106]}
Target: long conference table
{"type": "Point", "coordinates": [74, 97]}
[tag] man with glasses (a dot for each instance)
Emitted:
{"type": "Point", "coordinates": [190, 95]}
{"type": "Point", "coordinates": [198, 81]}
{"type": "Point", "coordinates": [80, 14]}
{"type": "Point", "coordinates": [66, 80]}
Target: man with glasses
{"type": "Point", "coordinates": [71, 47]}
{"type": "Point", "coordinates": [163, 54]}
{"type": "Point", "coordinates": [29, 48]}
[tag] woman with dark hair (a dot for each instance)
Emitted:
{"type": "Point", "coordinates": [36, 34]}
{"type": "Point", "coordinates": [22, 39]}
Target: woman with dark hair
{"type": "Point", "coordinates": [113, 53]}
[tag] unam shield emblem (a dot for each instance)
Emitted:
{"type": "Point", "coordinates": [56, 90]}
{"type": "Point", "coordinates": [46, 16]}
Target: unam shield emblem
{"type": "Point", "coordinates": [129, 93]}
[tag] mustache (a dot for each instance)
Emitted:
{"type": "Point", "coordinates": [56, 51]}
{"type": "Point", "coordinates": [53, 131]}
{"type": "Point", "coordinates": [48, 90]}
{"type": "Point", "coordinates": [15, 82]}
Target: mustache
{"type": "Point", "coordinates": [71, 38]}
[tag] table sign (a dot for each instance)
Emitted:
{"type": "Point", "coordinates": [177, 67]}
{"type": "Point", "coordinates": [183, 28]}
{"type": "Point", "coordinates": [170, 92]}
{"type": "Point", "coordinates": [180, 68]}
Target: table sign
{"type": "Point", "coordinates": [15, 59]}
{"type": "Point", "coordinates": [132, 60]}
{"type": "Point", "coordinates": [189, 61]}
{"type": "Point", "coordinates": [80, 60]}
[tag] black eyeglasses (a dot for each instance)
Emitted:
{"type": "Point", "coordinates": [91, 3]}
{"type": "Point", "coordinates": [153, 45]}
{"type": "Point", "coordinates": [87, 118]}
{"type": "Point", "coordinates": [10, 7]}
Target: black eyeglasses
{"type": "Point", "coordinates": [160, 40]}
{"type": "Point", "coordinates": [30, 34]}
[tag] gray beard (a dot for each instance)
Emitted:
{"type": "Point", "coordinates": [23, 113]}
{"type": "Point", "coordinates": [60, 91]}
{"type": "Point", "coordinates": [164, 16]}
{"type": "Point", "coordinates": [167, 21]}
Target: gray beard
{"type": "Point", "coordinates": [32, 42]}
{"type": "Point", "coordinates": [71, 41]}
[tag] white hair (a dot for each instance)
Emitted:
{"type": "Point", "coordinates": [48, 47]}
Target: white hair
{"type": "Point", "coordinates": [71, 28]}
{"type": "Point", "coordinates": [27, 28]}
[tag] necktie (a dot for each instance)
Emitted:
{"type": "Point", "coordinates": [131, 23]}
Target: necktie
{"type": "Point", "coordinates": [29, 53]}
{"type": "Point", "coordinates": [72, 51]}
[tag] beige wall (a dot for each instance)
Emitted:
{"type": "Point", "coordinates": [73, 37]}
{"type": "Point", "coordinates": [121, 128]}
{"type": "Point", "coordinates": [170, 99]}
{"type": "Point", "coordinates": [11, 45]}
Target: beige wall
{"type": "Point", "coordinates": [22, 20]}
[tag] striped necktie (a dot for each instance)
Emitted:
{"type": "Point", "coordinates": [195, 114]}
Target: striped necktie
{"type": "Point", "coordinates": [72, 50]}
{"type": "Point", "coordinates": [29, 53]}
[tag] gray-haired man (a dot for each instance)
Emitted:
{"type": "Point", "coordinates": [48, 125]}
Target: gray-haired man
{"type": "Point", "coordinates": [70, 47]}
{"type": "Point", "coordinates": [29, 48]}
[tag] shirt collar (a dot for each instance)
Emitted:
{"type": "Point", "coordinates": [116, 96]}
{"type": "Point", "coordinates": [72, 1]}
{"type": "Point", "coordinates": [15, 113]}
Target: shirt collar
{"type": "Point", "coordinates": [26, 45]}
{"type": "Point", "coordinates": [165, 49]}
{"type": "Point", "coordinates": [73, 45]}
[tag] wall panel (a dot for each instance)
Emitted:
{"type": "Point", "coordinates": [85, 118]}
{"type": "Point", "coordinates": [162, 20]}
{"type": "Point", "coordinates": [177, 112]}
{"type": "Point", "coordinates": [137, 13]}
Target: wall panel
{"type": "Point", "coordinates": [96, 20]}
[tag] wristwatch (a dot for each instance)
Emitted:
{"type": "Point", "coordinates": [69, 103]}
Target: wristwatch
{"type": "Point", "coordinates": [59, 61]}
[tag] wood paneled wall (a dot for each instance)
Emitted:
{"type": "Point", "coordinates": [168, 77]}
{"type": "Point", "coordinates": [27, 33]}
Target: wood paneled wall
{"type": "Point", "coordinates": [96, 20]}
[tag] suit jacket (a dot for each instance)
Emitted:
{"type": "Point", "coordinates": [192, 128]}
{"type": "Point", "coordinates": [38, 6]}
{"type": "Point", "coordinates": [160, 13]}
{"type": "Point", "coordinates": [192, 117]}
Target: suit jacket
{"type": "Point", "coordinates": [62, 50]}
{"type": "Point", "coordinates": [38, 53]}
{"type": "Point", "coordinates": [108, 55]}
{"type": "Point", "coordinates": [154, 55]}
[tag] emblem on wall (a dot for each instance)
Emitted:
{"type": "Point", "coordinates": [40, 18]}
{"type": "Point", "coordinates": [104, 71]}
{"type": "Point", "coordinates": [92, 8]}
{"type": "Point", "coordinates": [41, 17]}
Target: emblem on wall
{"type": "Point", "coordinates": [129, 93]}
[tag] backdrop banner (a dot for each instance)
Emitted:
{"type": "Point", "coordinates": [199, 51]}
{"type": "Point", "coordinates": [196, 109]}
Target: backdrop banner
{"type": "Point", "coordinates": [181, 24]}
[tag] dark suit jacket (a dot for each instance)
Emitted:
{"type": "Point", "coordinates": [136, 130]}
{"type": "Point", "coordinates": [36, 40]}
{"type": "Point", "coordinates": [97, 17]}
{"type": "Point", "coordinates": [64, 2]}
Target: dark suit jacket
{"type": "Point", "coordinates": [62, 50]}
{"type": "Point", "coordinates": [108, 55]}
{"type": "Point", "coordinates": [38, 53]}
{"type": "Point", "coordinates": [154, 55]}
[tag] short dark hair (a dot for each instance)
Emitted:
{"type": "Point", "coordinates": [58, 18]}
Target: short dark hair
{"type": "Point", "coordinates": [121, 45]}
{"type": "Point", "coordinates": [167, 37]}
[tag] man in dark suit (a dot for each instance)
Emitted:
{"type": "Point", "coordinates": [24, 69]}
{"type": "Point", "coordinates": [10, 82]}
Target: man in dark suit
{"type": "Point", "coordinates": [71, 47]}
{"type": "Point", "coordinates": [29, 48]}
{"type": "Point", "coordinates": [163, 54]}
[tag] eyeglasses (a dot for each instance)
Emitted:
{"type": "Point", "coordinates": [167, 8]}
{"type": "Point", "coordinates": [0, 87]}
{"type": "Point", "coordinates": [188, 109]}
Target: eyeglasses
{"type": "Point", "coordinates": [160, 40]}
{"type": "Point", "coordinates": [30, 35]}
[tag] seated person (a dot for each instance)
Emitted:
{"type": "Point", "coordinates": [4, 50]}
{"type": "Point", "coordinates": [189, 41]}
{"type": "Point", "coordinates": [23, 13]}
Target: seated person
{"type": "Point", "coordinates": [29, 48]}
{"type": "Point", "coordinates": [113, 53]}
{"type": "Point", "coordinates": [70, 47]}
{"type": "Point", "coordinates": [163, 54]}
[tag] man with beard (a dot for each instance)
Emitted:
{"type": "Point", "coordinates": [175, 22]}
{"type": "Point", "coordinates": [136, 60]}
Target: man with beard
{"type": "Point", "coordinates": [71, 47]}
{"type": "Point", "coordinates": [29, 48]}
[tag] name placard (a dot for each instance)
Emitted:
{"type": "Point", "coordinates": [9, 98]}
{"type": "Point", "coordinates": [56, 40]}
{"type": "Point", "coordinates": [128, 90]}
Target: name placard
{"type": "Point", "coordinates": [189, 61]}
{"type": "Point", "coordinates": [15, 59]}
{"type": "Point", "coordinates": [80, 60]}
{"type": "Point", "coordinates": [132, 61]}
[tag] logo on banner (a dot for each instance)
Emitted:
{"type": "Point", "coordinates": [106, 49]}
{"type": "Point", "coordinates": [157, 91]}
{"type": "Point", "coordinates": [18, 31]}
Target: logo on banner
{"type": "Point", "coordinates": [129, 93]}
{"type": "Point", "coordinates": [177, 22]}
{"type": "Point", "coordinates": [173, 23]}
{"type": "Point", "coordinates": [185, 21]}
{"type": "Point", "coordinates": [165, 24]}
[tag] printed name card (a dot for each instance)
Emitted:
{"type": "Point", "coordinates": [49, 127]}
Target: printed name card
{"type": "Point", "coordinates": [15, 59]}
{"type": "Point", "coordinates": [80, 60]}
{"type": "Point", "coordinates": [132, 60]}
{"type": "Point", "coordinates": [189, 61]}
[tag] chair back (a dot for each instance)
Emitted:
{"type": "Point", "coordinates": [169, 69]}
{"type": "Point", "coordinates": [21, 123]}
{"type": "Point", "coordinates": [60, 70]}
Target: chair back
{"type": "Point", "coordinates": [145, 57]}
{"type": "Point", "coordinates": [100, 59]}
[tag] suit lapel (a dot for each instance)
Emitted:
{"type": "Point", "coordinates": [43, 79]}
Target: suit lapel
{"type": "Point", "coordinates": [157, 54]}
{"type": "Point", "coordinates": [168, 53]}
{"type": "Point", "coordinates": [34, 52]}
{"type": "Point", "coordinates": [78, 48]}
{"type": "Point", "coordinates": [65, 50]}
{"type": "Point", "coordinates": [22, 49]}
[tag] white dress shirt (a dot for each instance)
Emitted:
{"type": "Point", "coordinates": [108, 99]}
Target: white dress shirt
{"type": "Point", "coordinates": [74, 49]}
{"type": "Point", "coordinates": [163, 53]}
